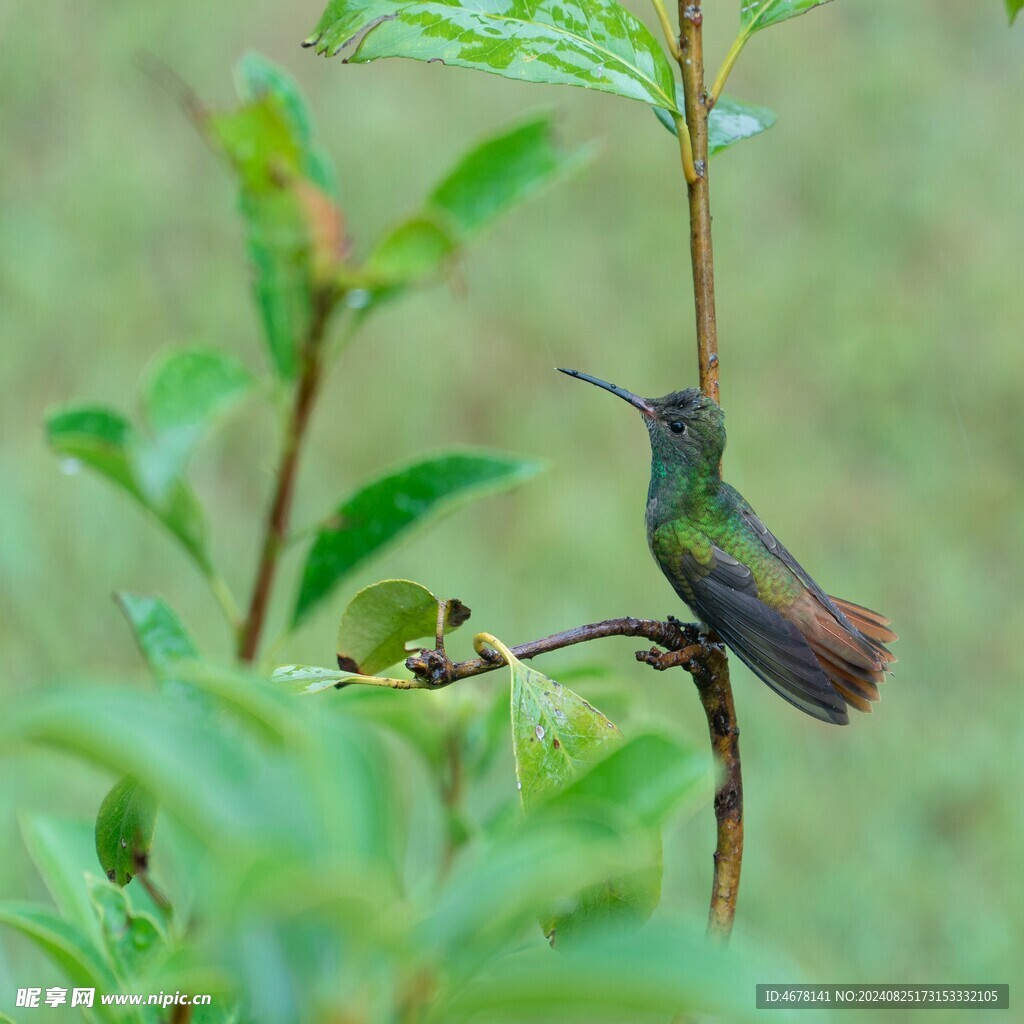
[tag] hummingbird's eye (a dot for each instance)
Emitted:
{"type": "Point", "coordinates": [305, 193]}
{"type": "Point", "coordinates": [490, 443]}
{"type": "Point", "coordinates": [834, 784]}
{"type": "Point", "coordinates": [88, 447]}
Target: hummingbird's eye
{"type": "Point", "coordinates": [677, 427]}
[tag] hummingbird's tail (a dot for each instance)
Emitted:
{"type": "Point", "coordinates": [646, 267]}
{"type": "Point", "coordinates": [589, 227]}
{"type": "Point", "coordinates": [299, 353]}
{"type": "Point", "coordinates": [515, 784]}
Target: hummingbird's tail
{"type": "Point", "coordinates": [855, 662]}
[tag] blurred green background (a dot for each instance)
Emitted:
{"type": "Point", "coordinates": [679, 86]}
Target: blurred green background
{"type": "Point", "coordinates": [870, 295]}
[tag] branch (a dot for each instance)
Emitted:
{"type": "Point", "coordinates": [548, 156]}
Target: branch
{"type": "Point", "coordinates": [435, 667]}
{"type": "Point", "coordinates": [711, 670]}
{"type": "Point", "coordinates": [275, 531]}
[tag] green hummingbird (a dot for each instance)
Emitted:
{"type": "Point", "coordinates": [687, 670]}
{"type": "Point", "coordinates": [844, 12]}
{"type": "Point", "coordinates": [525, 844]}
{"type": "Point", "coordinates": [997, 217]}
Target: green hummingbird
{"type": "Point", "coordinates": [818, 652]}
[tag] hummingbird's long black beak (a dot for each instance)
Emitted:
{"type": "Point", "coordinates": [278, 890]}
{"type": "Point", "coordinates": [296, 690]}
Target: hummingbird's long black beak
{"type": "Point", "coordinates": [636, 401]}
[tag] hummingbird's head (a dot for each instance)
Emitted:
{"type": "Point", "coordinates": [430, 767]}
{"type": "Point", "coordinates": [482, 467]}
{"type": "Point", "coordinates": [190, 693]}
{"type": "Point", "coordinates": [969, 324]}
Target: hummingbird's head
{"type": "Point", "coordinates": [686, 427]}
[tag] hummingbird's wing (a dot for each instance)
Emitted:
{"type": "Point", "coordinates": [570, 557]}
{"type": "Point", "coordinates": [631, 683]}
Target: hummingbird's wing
{"type": "Point", "coordinates": [848, 640]}
{"type": "Point", "coordinates": [722, 591]}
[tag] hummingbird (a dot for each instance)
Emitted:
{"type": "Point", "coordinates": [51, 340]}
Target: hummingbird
{"type": "Point", "coordinates": [820, 653]}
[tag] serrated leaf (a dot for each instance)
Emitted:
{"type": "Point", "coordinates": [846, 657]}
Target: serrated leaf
{"type": "Point", "coordinates": [501, 172]}
{"type": "Point", "coordinates": [730, 121]}
{"type": "Point", "coordinates": [383, 618]}
{"type": "Point", "coordinates": [66, 944]}
{"type": "Point", "coordinates": [386, 509]}
{"type": "Point", "coordinates": [758, 14]}
{"type": "Point", "coordinates": [556, 734]}
{"type": "Point", "coordinates": [124, 830]}
{"type": "Point", "coordinates": [105, 441]}
{"type": "Point", "coordinates": [131, 939]}
{"type": "Point", "coordinates": [594, 44]}
{"type": "Point", "coordinates": [295, 231]}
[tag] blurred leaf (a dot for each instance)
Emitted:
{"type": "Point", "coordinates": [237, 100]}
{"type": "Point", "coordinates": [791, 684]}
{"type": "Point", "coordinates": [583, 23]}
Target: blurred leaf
{"type": "Point", "coordinates": [258, 80]}
{"type": "Point", "coordinates": [384, 510]}
{"type": "Point", "coordinates": [124, 830]}
{"type": "Point", "coordinates": [295, 230]}
{"type": "Point", "coordinates": [66, 944]}
{"type": "Point", "coordinates": [63, 850]}
{"type": "Point", "coordinates": [731, 121]}
{"type": "Point", "coordinates": [383, 617]}
{"type": "Point", "coordinates": [634, 788]}
{"type": "Point", "coordinates": [131, 939]}
{"type": "Point", "coordinates": [556, 734]}
{"type": "Point", "coordinates": [187, 392]}
{"type": "Point", "coordinates": [202, 774]}
{"type": "Point", "coordinates": [503, 171]}
{"type": "Point", "coordinates": [409, 252]}
{"type": "Point", "coordinates": [758, 14]}
{"type": "Point", "coordinates": [648, 774]}
{"type": "Point", "coordinates": [161, 637]}
{"type": "Point", "coordinates": [512, 880]}
{"type": "Point", "coordinates": [307, 679]}
{"type": "Point", "coordinates": [595, 44]}
{"type": "Point", "coordinates": [103, 440]}
{"type": "Point", "coordinates": [646, 977]}
{"type": "Point", "coordinates": [1013, 8]}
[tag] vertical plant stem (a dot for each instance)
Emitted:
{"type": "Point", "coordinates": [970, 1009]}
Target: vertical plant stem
{"type": "Point", "coordinates": [275, 531]}
{"type": "Point", "coordinates": [712, 678]}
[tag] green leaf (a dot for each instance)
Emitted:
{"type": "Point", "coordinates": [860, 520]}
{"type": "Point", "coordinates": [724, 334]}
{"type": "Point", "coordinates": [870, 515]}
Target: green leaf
{"type": "Point", "coordinates": [307, 679]}
{"type": "Point", "coordinates": [1013, 8]}
{"type": "Point", "coordinates": [595, 44]}
{"type": "Point", "coordinates": [382, 618]}
{"type": "Point", "coordinates": [731, 121]}
{"type": "Point", "coordinates": [189, 390]}
{"type": "Point", "coordinates": [105, 441]}
{"type": "Point", "coordinates": [386, 509]}
{"type": "Point", "coordinates": [124, 830]}
{"type": "Point", "coordinates": [66, 944]}
{"type": "Point", "coordinates": [758, 14]}
{"type": "Point", "coordinates": [503, 171]}
{"type": "Point", "coordinates": [556, 734]}
{"type": "Point", "coordinates": [633, 789]}
{"type": "Point", "coordinates": [295, 232]}
{"type": "Point", "coordinates": [648, 774]}
{"type": "Point", "coordinates": [161, 637]}
{"type": "Point", "coordinates": [131, 939]}
{"type": "Point", "coordinates": [260, 80]}
{"type": "Point", "coordinates": [63, 850]}
{"type": "Point", "coordinates": [409, 252]}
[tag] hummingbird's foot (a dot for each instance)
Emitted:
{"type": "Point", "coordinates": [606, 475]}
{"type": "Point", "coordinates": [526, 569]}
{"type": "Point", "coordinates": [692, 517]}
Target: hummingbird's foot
{"type": "Point", "coordinates": [686, 658]}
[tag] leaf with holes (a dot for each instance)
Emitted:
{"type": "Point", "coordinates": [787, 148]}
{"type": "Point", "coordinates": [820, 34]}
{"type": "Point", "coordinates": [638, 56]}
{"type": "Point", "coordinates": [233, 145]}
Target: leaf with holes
{"type": "Point", "coordinates": [556, 734]}
{"type": "Point", "coordinates": [594, 44]}
{"type": "Point", "coordinates": [386, 509]}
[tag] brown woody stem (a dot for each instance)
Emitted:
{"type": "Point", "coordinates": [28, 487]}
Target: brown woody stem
{"type": "Point", "coordinates": [711, 670]}
{"type": "Point", "coordinates": [434, 666]}
{"type": "Point", "coordinates": [275, 531]}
